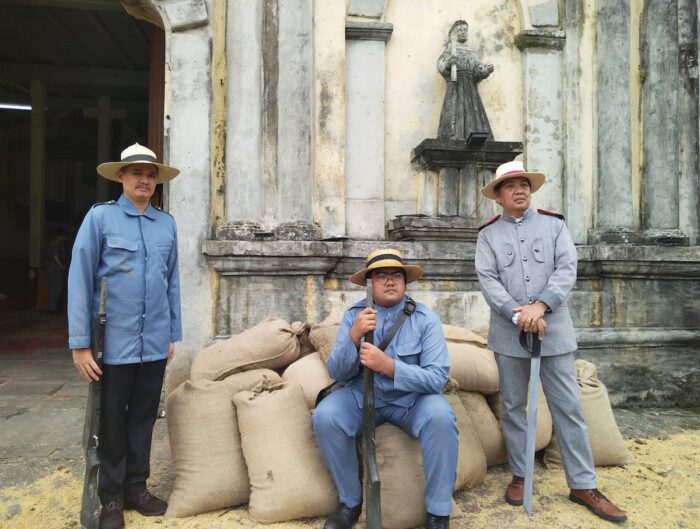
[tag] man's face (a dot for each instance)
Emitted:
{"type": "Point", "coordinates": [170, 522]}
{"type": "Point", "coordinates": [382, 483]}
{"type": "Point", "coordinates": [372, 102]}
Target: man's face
{"type": "Point", "coordinates": [461, 33]}
{"type": "Point", "coordinates": [388, 286]}
{"type": "Point", "coordinates": [514, 196]}
{"type": "Point", "coordinates": [139, 181]}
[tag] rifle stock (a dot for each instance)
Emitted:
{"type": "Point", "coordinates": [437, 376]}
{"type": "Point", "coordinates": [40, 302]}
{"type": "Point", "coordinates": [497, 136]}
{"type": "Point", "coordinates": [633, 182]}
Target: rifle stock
{"type": "Point", "coordinates": [373, 511]}
{"type": "Point", "coordinates": [90, 509]}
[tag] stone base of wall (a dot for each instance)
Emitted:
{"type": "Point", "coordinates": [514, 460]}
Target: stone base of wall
{"type": "Point", "coordinates": [635, 307]}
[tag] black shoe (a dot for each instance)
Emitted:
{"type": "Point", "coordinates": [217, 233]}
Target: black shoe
{"type": "Point", "coordinates": [437, 522]}
{"type": "Point", "coordinates": [145, 503]}
{"type": "Point", "coordinates": [112, 515]}
{"type": "Point", "coordinates": [343, 518]}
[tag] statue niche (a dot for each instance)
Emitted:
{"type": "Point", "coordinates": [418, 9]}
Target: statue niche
{"type": "Point", "coordinates": [462, 158]}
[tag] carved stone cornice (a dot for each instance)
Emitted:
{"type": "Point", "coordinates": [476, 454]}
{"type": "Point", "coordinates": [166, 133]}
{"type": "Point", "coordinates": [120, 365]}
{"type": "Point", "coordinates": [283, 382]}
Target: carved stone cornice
{"type": "Point", "coordinates": [355, 30]}
{"type": "Point", "coordinates": [537, 38]}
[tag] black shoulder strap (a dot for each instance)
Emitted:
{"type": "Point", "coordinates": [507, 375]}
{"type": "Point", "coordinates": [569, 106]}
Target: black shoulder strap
{"type": "Point", "coordinates": [408, 309]}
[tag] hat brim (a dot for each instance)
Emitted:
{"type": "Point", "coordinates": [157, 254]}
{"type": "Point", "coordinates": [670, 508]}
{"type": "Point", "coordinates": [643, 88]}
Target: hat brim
{"type": "Point", "coordinates": [413, 272]}
{"type": "Point", "coordinates": [110, 170]}
{"type": "Point", "coordinates": [536, 180]}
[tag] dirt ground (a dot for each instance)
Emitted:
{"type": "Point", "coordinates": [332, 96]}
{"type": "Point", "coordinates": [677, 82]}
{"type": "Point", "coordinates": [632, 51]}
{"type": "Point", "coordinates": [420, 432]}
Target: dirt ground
{"type": "Point", "coordinates": [661, 490]}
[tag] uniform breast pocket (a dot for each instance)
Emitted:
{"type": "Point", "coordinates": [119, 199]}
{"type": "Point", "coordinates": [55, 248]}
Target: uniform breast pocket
{"type": "Point", "coordinates": [538, 250]}
{"type": "Point", "coordinates": [408, 352]}
{"type": "Point", "coordinates": [164, 249]}
{"type": "Point", "coordinates": [121, 254]}
{"type": "Point", "coordinates": [505, 256]}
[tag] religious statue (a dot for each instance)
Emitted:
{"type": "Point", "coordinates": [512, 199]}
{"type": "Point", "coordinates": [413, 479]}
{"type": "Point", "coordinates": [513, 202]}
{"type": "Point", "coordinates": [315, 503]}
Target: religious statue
{"type": "Point", "coordinates": [462, 110]}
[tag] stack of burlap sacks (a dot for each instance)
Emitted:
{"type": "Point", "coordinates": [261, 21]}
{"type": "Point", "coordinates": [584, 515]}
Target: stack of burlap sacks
{"type": "Point", "coordinates": [241, 433]}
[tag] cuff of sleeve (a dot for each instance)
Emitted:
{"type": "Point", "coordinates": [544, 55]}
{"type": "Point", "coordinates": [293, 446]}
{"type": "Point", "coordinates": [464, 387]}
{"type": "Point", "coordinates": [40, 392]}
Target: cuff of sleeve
{"type": "Point", "coordinates": [175, 336]}
{"type": "Point", "coordinates": [79, 342]}
{"type": "Point", "coordinates": [506, 309]}
{"type": "Point", "coordinates": [550, 301]}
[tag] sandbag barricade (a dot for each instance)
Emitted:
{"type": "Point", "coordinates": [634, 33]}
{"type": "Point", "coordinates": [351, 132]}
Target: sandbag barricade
{"type": "Point", "coordinates": [288, 479]}
{"type": "Point", "coordinates": [606, 441]}
{"type": "Point", "coordinates": [473, 367]}
{"type": "Point", "coordinates": [210, 472]}
{"type": "Point", "coordinates": [273, 344]}
{"type": "Point", "coordinates": [322, 335]}
{"type": "Point", "coordinates": [486, 426]}
{"type": "Point", "coordinates": [461, 335]}
{"type": "Point", "coordinates": [543, 432]}
{"type": "Point", "coordinates": [311, 374]}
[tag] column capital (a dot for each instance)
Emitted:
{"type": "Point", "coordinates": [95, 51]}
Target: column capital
{"type": "Point", "coordinates": [355, 30]}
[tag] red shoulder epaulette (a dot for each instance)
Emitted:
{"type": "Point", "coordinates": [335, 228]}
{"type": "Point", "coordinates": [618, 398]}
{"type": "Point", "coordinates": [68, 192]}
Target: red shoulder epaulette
{"type": "Point", "coordinates": [489, 222]}
{"type": "Point", "coordinates": [551, 214]}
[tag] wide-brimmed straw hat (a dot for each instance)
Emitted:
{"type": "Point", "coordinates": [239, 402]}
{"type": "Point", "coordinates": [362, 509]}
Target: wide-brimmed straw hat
{"type": "Point", "coordinates": [137, 154]}
{"type": "Point", "coordinates": [386, 258]}
{"type": "Point", "coordinates": [514, 169]}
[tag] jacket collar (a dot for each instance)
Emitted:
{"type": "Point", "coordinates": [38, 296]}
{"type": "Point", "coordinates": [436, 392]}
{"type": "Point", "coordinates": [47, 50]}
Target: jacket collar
{"type": "Point", "coordinates": [529, 212]}
{"type": "Point", "coordinates": [130, 209]}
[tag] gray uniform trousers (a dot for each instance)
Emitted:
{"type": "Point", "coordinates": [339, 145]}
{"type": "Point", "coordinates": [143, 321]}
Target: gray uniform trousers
{"type": "Point", "coordinates": [558, 378]}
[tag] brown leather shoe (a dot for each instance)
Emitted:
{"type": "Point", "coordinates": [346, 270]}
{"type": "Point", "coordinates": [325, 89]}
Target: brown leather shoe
{"type": "Point", "coordinates": [598, 504]}
{"type": "Point", "coordinates": [515, 491]}
{"type": "Point", "coordinates": [112, 515]}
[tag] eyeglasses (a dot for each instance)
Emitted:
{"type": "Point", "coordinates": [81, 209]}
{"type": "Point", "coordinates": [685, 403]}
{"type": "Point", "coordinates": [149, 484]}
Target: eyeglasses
{"type": "Point", "coordinates": [383, 277]}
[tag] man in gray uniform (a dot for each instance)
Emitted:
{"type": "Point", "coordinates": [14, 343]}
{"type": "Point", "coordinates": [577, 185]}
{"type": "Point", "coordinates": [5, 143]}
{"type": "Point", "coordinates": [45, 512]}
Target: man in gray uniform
{"type": "Point", "coordinates": [526, 263]}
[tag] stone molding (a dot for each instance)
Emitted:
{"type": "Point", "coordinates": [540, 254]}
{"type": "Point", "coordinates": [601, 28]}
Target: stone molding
{"type": "Point", "coordinates": [535, 38]}
{"type": "Point", "coordinates": [610, 337]}
{"type": "Point", "coordinates": [175, 15]}
{"type": "Point", "coordinates": [368, 30]}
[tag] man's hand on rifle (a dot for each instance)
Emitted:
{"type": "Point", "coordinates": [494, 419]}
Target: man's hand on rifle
{"type": "Point", "coordinates": [86, 365]}
{"type": "Point", "coordinates": [377, 360]}
{"type": "Point", "coordinates": [366, 321]}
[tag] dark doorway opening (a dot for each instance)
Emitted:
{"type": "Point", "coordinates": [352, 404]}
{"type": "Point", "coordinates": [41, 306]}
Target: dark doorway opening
{"type": "Point", "coordinates": [86, 81]}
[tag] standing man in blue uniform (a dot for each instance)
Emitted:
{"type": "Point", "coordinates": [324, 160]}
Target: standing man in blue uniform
{"type": "Point", "coordinates": [134, 246]}
{"type": "Point", "coordinates": [409, 378]}
{"type": "Point", "coordinates": [526, 263]}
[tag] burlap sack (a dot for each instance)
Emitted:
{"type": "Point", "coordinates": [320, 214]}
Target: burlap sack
{"type": "Point", "coordinates": [607, 444]}
{"type": "Point", "coordinates": [482, 330]}
{"type": "Point", "coordinates": [471, 460]}
{"type": "Point", "coordinates": [271, 344]}
{"type": "Point", "coordinates": [311, 374]}
{"type": "Point", "coordinates": [207, 461]}
{"type": "Point", "coordinates": [473, 367]}
{"type": "Point", "coordinates": [543, 433]}
{"type": "Point", "coordinates": [486, 426]}
{"type": "Point", "coordinates": [402, 482]}
{"type": "Point", "coordinates": [322, 335]}
{"type": "Point", "coordinates": [288, 479]}
{"type": "Point", "coordinates": [460, 335]}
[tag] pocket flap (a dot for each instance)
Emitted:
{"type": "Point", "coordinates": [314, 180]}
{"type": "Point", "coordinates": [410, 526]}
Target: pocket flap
{"type": "Point", "coordinates": [122, 244]}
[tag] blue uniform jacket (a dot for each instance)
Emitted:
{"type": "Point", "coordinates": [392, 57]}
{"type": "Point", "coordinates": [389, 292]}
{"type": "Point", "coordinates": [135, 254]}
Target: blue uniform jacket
{"type": "Point", "coordinates": [137, 253]}
{"type": "Point", "coordinates": [418, 348]}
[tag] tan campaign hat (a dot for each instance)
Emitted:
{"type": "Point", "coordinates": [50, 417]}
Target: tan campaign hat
{"type": "Point", "coordinates": [137, 154]}
{"type": "Point", "coordinates": [386, 258]}
{"type": "Point", "coordinates": [508, 170]}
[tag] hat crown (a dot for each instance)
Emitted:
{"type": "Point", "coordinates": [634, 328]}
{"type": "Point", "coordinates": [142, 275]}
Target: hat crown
{"type": "Point", "coordinates": [138, 151]}
{"type": "Point", "coordinates": [508, 168]}
{"type": "Point", "coordinates": [386, 254]}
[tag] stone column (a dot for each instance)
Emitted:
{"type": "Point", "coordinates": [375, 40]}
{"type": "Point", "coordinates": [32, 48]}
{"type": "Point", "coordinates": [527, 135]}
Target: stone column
{"type": "Point", "coordinates": [542, 68]}
{"type": "Point", "coordinates": [660, 117]}
{"type": "Point", "coordinates": [244, 122]}
{"type": "Point", "coordinates": [37, 169]}
{"type": "Point", "coordinates": [364, 160]}
{"type": "Point", "coordinates": [616, 221]}
{"type": "Point", "coordinates": [689, 121]}
{"type": "Point", "coordinates": [290, 195]}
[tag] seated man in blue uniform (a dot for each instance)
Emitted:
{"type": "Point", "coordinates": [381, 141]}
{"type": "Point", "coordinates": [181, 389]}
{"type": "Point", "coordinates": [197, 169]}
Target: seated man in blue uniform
{"type": "Point", "coordinates": [134, 246]}
{"type": "Point", "coordinates": [409, 378]}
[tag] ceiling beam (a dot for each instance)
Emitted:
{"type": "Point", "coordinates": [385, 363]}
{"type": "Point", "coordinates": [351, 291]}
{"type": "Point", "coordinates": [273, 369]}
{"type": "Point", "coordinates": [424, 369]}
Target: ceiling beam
{"type": "Point", "coordinates": [92, 5]}
{"type": "Point", "coordinates": [74, 75]}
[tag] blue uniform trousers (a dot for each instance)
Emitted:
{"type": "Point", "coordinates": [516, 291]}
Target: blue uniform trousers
{"type": "Point", "coordinates": [558, 378]}
{"type": "Point", "coordinates": [337, 421]}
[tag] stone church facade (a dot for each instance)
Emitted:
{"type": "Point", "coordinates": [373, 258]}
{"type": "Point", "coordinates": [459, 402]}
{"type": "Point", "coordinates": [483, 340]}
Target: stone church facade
{"type": "Point", "coordinates": [294, 123]}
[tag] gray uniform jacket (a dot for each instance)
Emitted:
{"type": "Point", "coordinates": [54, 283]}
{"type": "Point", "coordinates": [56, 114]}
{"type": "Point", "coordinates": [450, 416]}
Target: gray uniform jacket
{"type": "Point", "coordinates": [524, 262]}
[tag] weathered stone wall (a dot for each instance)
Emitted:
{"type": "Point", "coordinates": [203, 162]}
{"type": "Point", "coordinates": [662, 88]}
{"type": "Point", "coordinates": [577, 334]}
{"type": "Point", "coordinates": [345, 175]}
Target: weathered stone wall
{"type": "Point", "coordinates": [324, 100]}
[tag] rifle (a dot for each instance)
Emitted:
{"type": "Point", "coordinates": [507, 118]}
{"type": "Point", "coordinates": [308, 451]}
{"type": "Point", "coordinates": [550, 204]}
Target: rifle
{"type": "Point", "coordinates": [373, 512]}
{"type": "Point", "coordinates": [90, 510]}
